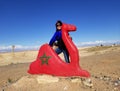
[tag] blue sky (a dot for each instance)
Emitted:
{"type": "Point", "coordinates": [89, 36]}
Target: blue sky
{"type": "Point", "coordinates": [32, 22]}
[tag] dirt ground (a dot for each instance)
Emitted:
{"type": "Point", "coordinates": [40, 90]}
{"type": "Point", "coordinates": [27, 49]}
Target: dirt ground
{"type": "Point", "coordinates": [103, 63]}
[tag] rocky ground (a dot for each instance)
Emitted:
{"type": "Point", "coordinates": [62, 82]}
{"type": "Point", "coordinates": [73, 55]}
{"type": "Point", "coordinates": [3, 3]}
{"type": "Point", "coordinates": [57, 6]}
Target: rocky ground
{"type": "Point", "coordinates": [103, 63]}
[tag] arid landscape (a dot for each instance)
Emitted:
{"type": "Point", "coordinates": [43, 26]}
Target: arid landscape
{"type": "Point", "coordinates": [103, 63]}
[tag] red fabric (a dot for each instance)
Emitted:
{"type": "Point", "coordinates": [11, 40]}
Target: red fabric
{"type": "Point", "coordinates": [48, 62]}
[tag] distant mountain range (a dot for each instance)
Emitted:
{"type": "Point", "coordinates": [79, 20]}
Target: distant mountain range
{"type": "Point", "coordinates": [99, 43]}
{"type": "Point", "coordinates": [81, 44]}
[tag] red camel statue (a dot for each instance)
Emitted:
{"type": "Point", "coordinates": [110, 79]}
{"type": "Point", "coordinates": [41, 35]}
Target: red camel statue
{"type": "Point", "coordinates": [48, 62]}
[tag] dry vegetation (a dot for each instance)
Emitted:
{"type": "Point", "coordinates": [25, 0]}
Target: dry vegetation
{"type": "Point", "coordinates": [102, 62]}
{"type": "Point", "coordinates": [98, 48]}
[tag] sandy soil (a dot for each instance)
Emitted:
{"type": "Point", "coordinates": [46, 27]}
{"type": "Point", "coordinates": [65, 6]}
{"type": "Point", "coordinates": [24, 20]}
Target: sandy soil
{"type": "Point", "coordinates": [103, 63]}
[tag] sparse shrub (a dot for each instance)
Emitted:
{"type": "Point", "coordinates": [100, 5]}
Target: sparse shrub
{"type": "Point", "coordinates": [97, 48]}
{"type": "Point", "coordinates": [9, 80]}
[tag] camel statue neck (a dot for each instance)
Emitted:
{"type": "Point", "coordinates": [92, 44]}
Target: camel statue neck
{"type": "Point", "coordinates": [72, 49]}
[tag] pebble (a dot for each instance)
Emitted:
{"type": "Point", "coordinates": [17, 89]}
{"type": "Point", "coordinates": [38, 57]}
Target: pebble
{"type": "Point", "coordinates": [65, 88]}
{"type": "Point", "coordinates": [101, 78]}
{"type": "Point", "coordinates": [108, 80]}
{"type": "Point", "coordinates": [116, 84]}
{"type": "Point", "coordinates": [118, 81]}
{"type": "Point", "coordinates": [105, 78]}
{"type": "Point", "coordinates": [76, 80]}
{"type": "Point", "coordinates": [119, 78]}
{"type": "Point", "coordinates": [88, 83]}
{"type": "Point", "coordinates": [115, 89]}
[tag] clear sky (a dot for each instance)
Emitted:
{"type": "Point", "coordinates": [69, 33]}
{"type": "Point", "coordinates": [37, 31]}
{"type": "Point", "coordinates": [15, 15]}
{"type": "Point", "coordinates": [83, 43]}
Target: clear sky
{"type": "Point", "coordinates": [32, 22]}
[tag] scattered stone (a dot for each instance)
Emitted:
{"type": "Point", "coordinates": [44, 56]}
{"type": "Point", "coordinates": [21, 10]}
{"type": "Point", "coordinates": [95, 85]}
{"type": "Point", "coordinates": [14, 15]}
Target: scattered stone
{"type": "Point", "coordinates": [115, 89]}
{"type": "Point", "coordinates": [65, 88]}
{"type": "Point", "coordinates": [116, 84]}
{"type": "Point", "coordinates": [47, 79]}
{"type": "Point", "coordinates": [106, 78]}
{"type": "Point", "coordinates": [101, 78]}
{"type": "Point", "coordinates": [76, 80]}
{"type": "Point", "coordinates": [118, 81]}
{"type": "Point", "coordinates": [96, 77]}
{"type": "Point", "coordinates": [88, 83]}
{"type": "Point", "coordinates": [119, 78]}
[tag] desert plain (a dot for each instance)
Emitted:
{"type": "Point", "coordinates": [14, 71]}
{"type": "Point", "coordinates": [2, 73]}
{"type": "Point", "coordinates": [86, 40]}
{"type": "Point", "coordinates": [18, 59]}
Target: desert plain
{"type": "Point", "coordinates": [102, 62]}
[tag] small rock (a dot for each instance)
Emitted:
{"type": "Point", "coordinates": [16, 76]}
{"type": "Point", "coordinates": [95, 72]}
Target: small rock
{"type": "Point", "coordinates": [96, 77]}
{"type": "Point", "coordinates": [47, 79]}
{"type": "Point", "coordinates": [76, 80]}
{"type": "Point", "coordinates": [106, 78]}
{"type": "Point", "coordinates": [115, 89]}
{"type": "Point", "coordinates": [65, 88]}
{"type": "Point", "coordinates": [119, 78]}
{"type": "Point", "coordinates": [88, 83]}
{"type": "Point", "coordinates": [116, 84]}
{"type": "Point", "coordinates": [118, 81]}
{"type": "Point", "coordinates": [101, 78]}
